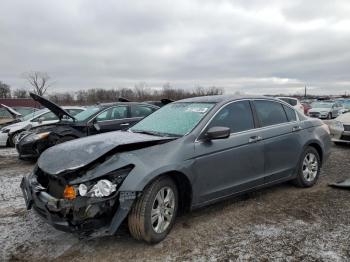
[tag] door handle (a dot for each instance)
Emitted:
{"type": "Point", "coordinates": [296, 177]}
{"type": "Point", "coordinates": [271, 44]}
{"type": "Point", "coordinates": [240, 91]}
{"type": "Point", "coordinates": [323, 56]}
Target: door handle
{"type": "Point", "coordinates": [296, 128]}
{"type": "Point", "coordinates": [254, 139]}
{"type": "Point", "coordinates": [125, 124]}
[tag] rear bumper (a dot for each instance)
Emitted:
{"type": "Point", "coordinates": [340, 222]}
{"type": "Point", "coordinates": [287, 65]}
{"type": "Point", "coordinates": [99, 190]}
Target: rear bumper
{"type": "Point", "coordinates": [66, 215]}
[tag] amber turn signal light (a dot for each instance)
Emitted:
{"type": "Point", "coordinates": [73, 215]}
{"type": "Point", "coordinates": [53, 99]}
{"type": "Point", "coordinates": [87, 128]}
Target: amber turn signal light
{"type": "Point", "coordinates": [69, 193]}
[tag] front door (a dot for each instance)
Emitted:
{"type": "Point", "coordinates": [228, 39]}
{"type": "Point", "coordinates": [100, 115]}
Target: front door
{"type": "Point", "coordinates": [226, 166]}
{"type": "Point", "coordinates": [112, 119]}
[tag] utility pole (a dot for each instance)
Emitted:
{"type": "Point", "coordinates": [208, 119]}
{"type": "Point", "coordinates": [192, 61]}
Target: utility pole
{"type": "Point", "coordinates": [305, 91]}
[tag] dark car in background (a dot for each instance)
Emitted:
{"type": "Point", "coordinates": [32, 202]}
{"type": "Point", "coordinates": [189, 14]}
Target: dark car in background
{"type": "Point", "coordinates": [94, 120]}
{"type": "Point", "coordinates": [188, 154]}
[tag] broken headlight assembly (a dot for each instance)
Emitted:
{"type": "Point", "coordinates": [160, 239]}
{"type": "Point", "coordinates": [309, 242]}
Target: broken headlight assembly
{"type": "Point", "coordinates": [103, 187]}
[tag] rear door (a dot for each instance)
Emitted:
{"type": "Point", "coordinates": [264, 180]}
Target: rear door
{"type": "Point", "coordinates": [227, 166]}
{"type": "Point", "coordinates": [111, 119]}
{"type": "Point", "coordinates": [281, 133]}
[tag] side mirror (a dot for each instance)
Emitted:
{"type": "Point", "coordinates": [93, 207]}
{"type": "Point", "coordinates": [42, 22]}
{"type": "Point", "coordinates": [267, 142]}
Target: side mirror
{"type": "Point", "coordinates": [96, 125]}
{"type": "Point", "coordinates": [40, 120]}
{"type": "Point", "coordinates": [218, 132]}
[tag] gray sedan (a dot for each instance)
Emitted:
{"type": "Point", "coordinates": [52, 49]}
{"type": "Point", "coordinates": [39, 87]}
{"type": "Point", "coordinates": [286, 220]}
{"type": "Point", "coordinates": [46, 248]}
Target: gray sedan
{"type": "Point", "coordinates": [189, 154]}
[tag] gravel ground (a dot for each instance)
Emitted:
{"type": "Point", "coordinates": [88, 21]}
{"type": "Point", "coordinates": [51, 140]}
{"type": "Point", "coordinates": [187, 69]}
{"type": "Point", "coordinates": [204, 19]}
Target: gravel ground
{"type": "Point", "coordinates": [282, 223]}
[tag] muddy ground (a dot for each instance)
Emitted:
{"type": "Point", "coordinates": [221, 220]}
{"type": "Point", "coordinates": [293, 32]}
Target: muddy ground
{"type": "Point", "coordinates": [280, 223]}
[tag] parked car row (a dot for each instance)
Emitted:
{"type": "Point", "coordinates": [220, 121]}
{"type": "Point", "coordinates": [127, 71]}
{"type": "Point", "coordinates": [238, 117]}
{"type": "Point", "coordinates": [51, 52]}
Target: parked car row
{"type": "Point", "coordinates": [185, 155]}
{"type": "Point", "coordinates": [323, 109]}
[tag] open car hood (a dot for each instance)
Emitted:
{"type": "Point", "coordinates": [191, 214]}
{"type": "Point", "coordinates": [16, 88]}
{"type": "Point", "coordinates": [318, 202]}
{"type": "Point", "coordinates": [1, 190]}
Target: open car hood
{"type": "Point", "coordinates": [56, 109]}
{"type": "Point", "coordinates": [13, 112]}
{"type": "Point", "coordinates": [78, 153]}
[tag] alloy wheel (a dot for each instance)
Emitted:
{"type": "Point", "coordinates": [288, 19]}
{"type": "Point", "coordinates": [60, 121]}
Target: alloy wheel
{"type": "Point", "coordinates": [310, 167]}
{"type": "Point", "coordinates": [163, 209]}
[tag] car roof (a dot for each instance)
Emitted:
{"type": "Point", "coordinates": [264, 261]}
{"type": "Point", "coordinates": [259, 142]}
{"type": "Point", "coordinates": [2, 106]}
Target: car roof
{"type": "Point", "coordinates": [105, 105]}
{"type": "Point", "coordinates": [223, 98]}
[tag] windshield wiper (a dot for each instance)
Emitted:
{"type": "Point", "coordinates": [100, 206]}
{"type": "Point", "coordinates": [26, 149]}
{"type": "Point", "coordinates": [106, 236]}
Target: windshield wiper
{"type": "Point", "coordinates": [153, 133]}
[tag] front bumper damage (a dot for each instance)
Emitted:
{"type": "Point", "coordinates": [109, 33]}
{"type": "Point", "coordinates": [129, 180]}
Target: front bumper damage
{"type": "Point", "coordinates": [84, 216]}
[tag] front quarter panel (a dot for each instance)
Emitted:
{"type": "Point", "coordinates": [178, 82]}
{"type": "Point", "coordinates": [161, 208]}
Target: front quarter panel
{"type": "Point", "coordinates": [157, 160]}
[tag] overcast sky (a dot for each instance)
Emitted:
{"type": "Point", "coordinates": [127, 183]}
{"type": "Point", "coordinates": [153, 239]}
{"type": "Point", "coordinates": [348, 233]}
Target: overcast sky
{"type": "Point", "coordinates": [251, 46]}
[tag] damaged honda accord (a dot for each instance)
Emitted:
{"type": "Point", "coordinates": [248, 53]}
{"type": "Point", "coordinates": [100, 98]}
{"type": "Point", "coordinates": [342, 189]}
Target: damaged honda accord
{"type": "Point", "coordinates": [186, 155]}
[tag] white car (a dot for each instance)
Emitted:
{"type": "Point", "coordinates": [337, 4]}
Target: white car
{"type": "Point", "coordinates": [340, 129]}
{"type": "Point", "coordinates": [325, 109]}
{"type": "Point", "coordinates": [38, 118]}
{"type": "Point", "coordinates": [294, 102]}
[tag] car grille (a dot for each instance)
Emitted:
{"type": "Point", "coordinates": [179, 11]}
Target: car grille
{"type": "Point", "coordinates": [55, 186]}
{"type": "Point", "coordinates": [314, 114]}
{"type": "Point", "coordinates": [346, 127]}
{"type": "Point", "coordinates": [345, 137]}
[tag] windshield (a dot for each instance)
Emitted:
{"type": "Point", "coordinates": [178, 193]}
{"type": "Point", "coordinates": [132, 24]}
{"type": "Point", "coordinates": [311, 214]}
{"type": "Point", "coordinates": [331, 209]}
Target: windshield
{"type": "Point", "coordinates": [176, 119]}
{"type": "Point", "coordinates": [84, 115]}
{"type": "Point", "coordinates": [321, 105]}
{"type": "Point", "coordinates": [34, 114]}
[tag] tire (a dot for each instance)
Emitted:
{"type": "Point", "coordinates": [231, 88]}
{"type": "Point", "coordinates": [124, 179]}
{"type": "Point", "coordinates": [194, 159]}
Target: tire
{"type": "Point", "coordinates": [139, 219]}
{"type": "Point", "coordinates": [308, 172]}
{"type": "Point", "coordinates": [11, 139]}
{"type": "Point", "coordinates": [329, 116]}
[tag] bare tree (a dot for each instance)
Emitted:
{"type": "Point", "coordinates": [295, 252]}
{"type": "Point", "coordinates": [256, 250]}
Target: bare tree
{"type": "Point", "coordinates": [20, 93]}
{"type": "Point", "coordinates": [40, 81]}
{"type": "Point", "coordinates": [5, 90]}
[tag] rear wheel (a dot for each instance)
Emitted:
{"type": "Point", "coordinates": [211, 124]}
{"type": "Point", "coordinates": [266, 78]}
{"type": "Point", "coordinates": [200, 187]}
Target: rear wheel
{"type": "Point", "coordinates": [154, 213]}
{"type": "Point", "coordinates": [309, 168]}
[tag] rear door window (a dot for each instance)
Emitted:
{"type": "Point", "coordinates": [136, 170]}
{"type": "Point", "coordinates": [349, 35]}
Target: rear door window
{"type": "Point", "coordinates": [113, 113]}
{"type": "Point", "coordinates": [141, 110]}
{"type": "Point", "coordinates": [270, 112]}
{"type": "Point", "coordinates": [290, 113]}
{"type": "Point", "coordinates": [237, 116]}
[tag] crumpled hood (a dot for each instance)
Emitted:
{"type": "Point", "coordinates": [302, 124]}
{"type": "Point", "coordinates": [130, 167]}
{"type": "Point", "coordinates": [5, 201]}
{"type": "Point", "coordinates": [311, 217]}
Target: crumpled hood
{"type": "Point", "coordinates": [78, 153]}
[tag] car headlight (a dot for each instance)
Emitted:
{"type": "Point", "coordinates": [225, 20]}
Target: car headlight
{"type": "Point", "coordinates": [34, 137]}
{"type": "Point", "coordinates": [43, 135]}
{"type": "Point", "coordinates": [102, 188]}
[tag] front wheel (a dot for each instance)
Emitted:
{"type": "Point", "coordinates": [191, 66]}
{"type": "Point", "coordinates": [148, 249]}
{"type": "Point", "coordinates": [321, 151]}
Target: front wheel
{"type": "Point", "coordinates": [154, 213]}
{"type": "Point", "coordinates": [329, 116]}
{"type": "Point", "coordinates": [309, 168]}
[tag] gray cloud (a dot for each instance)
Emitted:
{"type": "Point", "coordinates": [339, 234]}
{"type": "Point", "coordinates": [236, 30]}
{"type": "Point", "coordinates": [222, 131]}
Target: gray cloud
{"type": "Point", "coordinates": [248, 45]}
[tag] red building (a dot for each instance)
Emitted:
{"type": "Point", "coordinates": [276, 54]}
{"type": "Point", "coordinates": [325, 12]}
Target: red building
{"type": "Point", "coordinates": [27, 102]}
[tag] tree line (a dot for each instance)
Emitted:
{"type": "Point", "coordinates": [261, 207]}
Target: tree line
{"type": "Point", "coordinates": [40, 82]}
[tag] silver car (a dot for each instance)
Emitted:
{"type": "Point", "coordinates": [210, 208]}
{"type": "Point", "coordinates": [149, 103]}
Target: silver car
{"type": "Point", "coordinates": [340, 129]}
{"type": "Point", "coordinates": [188, 154]}
{"type": "Point", "coordinates": [325, 109]}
